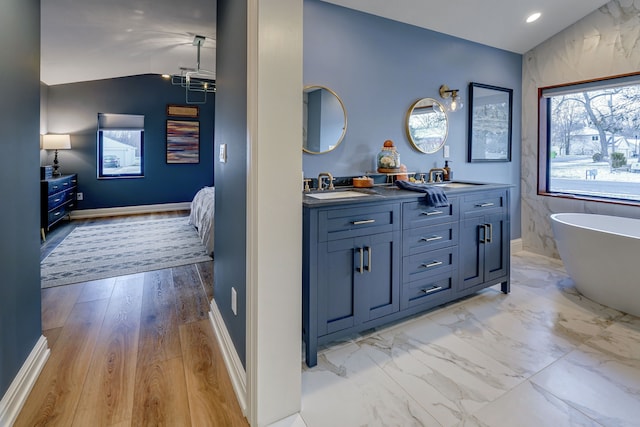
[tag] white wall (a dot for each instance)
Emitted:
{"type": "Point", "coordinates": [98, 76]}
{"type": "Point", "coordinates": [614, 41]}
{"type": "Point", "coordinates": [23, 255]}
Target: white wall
{"type": "Point", "coordinates": [274, 209]}
{"type": "Point", "coordinates": [604, 43]}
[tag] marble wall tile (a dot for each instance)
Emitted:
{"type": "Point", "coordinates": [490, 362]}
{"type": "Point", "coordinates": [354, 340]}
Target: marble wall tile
{"type": "Point", "coordinates": [604, 43]}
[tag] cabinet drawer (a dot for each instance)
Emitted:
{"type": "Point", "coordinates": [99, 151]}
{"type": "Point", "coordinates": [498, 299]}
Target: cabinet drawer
{"type": "Point", "coordinates": [431, 290]}
{"type": "Point", "coordinates": [418, 214]}
{"type": "Point", "coordinates": [423, 239]}
{"type": "Point", "coordinates": [357, 221]}
{"type": "Point", "coordinates": [427, 264]}
{"type": "Point", "coordinates": [484, 202]}
{"type": "Point", "coordinates": [57, 185]}
{"type": "Point", "coordinates": [58, 199]}
{"type": "Point", "coordinates": [57, 214]}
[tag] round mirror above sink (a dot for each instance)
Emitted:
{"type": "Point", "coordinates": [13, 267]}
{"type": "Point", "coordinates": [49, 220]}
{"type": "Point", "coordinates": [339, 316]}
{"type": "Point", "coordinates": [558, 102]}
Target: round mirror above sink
{"type": "Point", "coordinates": [427, 125]}
{"type": "Point", "coordinates": [324, 120]}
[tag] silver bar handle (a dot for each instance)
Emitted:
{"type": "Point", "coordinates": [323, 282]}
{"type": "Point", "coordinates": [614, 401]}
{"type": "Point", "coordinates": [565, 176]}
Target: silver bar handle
{"type": "Point", "coordinates": [430, 290]}
{"type": "Point", "coordinates": [369, 264]}
{"type": "Point", "coordinates": [490, 238]}
{"type": "Point", "coordinates": [364, 221]}
{"type": "Point", "coordinates": [361, 266]}
{"type": "Point", "coordinates": [431, 264]}
{"type": "Point", "coordinates": [432, 213]}
{"type": "Point", "coordinates": [484, 205]}
{"type": "Point", "coordinates": [431, 239]}
{"type": "Point", "coordinates": [483, 239]}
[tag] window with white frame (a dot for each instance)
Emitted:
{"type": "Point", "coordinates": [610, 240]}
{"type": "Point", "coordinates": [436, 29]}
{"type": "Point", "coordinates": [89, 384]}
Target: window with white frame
{"type": "Point", "coordinates": [120, 145]}
{"type": "Point", "coordinates": [589, 140]}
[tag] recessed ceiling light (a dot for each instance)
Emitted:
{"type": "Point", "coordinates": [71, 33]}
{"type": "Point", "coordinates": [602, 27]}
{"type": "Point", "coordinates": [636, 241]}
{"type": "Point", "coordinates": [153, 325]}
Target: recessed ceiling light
{"type": "Point", "coordinates": [533, 17]}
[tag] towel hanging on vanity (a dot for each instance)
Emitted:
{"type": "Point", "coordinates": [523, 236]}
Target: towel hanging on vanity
{"type": "Point", "coordinates": [435, 196]}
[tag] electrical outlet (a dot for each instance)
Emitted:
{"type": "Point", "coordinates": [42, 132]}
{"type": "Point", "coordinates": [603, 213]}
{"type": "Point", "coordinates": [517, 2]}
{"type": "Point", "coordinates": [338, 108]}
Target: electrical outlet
{"type": "Point", "coordinates": [79, 196]}
{"type": "Point", "coordinates": [234, 301]}
{"type": "Point", "coordinates": [446, 151]}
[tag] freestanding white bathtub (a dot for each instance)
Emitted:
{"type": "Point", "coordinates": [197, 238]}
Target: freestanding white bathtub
{"type": "Point", "coordinates": [602, 255]}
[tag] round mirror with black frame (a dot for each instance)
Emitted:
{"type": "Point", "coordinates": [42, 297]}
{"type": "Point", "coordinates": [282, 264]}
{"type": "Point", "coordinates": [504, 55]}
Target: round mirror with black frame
{"type": "Point", "coordinates": [324, 121]}
{"type": "Point", "coordinates": [427, 125]}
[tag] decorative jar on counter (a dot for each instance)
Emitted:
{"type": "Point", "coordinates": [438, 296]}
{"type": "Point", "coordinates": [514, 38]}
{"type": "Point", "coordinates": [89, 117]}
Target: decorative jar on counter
{"type": "Point", "coordinates": [388, 158]}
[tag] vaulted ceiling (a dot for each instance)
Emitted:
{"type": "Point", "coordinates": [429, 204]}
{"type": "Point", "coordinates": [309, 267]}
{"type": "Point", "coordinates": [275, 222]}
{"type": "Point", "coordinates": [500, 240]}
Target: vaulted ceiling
{"type": "Point", "coordinates": [97, 39]}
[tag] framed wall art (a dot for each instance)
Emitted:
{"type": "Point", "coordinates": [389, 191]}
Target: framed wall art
{"type": "Point", "coordinates": [490, 115]}
{"type": "Point", "coordinates": [183, 111]}
{"type": "Point", "coordinates": [183, 141]}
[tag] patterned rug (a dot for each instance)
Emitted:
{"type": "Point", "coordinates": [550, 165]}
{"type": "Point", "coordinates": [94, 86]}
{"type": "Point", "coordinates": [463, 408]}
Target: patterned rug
{"type": "Point", "coordinates": [99, 251]}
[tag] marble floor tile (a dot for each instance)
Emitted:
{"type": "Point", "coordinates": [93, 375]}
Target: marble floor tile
{"type": "Point", "coordinates": [542, 355]}
{"type": "Point", "coordinates": [347, 388]}
{"type": "Point", "coordinates": [522, 336]}
{"type": "Point", "coordinates": [528, 405]}
{"type": "Point", "coordinates": [604, 387]}
{"type": "Point", "coordinates": [622, 339]}
{"type": "Point", "coordinates": [452, 378]}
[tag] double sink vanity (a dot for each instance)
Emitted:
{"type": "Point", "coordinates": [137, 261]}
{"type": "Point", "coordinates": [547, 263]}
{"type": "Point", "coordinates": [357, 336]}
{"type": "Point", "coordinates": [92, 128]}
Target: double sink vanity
{"type": "Point", "coordinates": [372, 256]}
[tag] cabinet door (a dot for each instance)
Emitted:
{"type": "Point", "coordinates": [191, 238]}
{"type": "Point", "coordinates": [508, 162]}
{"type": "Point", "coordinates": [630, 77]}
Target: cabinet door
{"type": "Point", "coordinates": [337, 264]}
{"type": "Point", "coordinates": [378, 286]}
{"type": "Point", "coordinates": [472, 234]}
{"type": "Point", "coordinates": [495, 247]}
{"type": "Point", "coordinates": [358, 281]}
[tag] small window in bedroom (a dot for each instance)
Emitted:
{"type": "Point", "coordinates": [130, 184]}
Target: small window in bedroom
{"type": "Point", "coordinates": [120, 146]}
{"type": "Point", "coordinates": [589, 140]}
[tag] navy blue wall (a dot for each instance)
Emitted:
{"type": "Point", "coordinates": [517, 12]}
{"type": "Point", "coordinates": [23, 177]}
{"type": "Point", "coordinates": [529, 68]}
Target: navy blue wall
{"type": "Point", "coordinates": [231, 177]}
{"type": "Point", "coordinates": [379, 68]}
{"type": "Point", "coordinates": [73, 108]}
{"type": "Point", "coordinates": [20, 325]}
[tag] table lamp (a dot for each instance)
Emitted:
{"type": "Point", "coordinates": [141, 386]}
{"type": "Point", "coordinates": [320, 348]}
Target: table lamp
{"type": "Point", "coordinates": [56, 142]}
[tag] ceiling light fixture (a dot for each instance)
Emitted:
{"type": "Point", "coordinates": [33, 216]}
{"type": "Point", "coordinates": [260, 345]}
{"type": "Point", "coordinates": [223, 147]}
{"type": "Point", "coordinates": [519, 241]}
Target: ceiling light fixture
{"type": "Point", "coordinates": [453, 100]}
{"type": "Point", "coordinates": [533, 17]}
{"type": "Point", "coordinates": [195, 80]}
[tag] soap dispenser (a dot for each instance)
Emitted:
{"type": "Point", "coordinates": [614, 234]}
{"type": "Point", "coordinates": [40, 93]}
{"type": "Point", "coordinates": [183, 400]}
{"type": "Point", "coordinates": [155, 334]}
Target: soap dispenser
{"type": "Point", "coordinates": [448, 173]}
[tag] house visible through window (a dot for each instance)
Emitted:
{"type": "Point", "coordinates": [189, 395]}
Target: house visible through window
{"type": "Point", "coordinates": [120, 145]}
{"type": "Point", "coordinates": [590, 140]}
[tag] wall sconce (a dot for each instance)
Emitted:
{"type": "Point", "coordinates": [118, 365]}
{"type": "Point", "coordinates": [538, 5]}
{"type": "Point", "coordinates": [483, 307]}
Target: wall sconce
{"type": "Point", "coordinates": [56, 142]}
{"type": "Point", "coordinates": [453, 100]}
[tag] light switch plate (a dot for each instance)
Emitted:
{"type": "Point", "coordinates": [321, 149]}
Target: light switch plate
{"type": "Point", "coordinates": [446, 151]}
{"type": "Point", "coordinates": [234, 301]}
{"type": "Point", "coordinates": [223, 153]}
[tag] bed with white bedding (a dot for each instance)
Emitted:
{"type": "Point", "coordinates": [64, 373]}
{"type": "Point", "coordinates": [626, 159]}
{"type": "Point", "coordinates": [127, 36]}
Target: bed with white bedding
{"type": "Point", "coordinates": [202, 211]}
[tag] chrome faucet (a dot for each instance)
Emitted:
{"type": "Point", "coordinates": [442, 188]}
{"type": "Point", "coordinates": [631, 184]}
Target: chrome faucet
{"type": "Point", "coordinates": [321, 175]}
{"type": "Point", "coordinates": [439, 174]}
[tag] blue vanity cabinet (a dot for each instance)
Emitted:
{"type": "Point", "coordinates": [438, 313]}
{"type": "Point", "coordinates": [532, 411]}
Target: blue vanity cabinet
{"type": "Point", "coordinates": [351, 270]}
{"type": "Point", "coordinates": [484, 240]}
{"type": "Point", "coordinates": [370, 262]}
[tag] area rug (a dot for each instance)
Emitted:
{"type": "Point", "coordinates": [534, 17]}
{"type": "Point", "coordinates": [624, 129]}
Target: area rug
{"type": "Point", "coordinates": [98, 251]}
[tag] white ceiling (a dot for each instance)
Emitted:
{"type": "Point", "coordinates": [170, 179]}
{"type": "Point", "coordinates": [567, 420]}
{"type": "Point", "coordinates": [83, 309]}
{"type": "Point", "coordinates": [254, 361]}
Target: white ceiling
{"type": "Point", "coordinates": [497, 23]}
{"type": "Point", "coordinates": [97, 39]}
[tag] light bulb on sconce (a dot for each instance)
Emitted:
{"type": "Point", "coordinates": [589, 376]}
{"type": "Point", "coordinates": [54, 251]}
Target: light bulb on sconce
{"type": "Point", "coordinates": [453, 100]}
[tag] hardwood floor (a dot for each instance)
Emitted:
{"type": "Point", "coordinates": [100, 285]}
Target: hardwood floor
{"type": "Point", "coordinates": [135, 350]}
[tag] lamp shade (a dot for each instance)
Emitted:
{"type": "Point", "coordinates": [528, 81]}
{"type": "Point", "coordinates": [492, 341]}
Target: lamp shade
{"type": "Point", "coordinates": [56, 142]}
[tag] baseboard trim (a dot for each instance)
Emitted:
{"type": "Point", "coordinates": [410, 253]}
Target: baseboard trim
{"type": "Point", "coordinates": [516, 246]}
{"type": "Point", "coordinates": [232, 361]}
{"type": "Point", "coordinates": [129, 210]}
{"type": "Point", "coordinates": [15, 397]}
